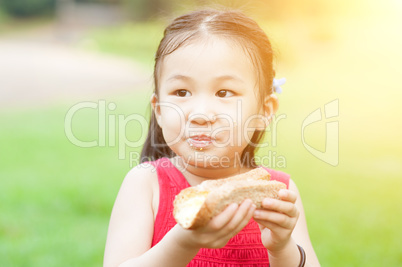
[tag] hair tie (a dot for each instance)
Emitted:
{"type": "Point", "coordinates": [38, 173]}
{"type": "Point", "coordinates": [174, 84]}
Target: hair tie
{"type": "Point", "coordinates": [276, 84]}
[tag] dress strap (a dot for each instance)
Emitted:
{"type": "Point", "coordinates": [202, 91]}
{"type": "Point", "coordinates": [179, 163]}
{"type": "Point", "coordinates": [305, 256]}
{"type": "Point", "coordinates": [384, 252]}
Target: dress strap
{"type": "Point", "coordinates": [171, 182]}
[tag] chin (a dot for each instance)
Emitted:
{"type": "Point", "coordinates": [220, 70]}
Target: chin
{"type": "Point", "coordinates": [212, 158]}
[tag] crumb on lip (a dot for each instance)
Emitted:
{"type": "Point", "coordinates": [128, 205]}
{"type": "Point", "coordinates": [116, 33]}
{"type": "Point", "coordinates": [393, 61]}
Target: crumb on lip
{"type": "Point", "coordinates": [199, 144]}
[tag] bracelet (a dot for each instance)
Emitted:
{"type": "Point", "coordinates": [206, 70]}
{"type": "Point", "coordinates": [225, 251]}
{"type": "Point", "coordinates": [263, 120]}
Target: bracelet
{"type": "Point", "coordinates": [302, 256]}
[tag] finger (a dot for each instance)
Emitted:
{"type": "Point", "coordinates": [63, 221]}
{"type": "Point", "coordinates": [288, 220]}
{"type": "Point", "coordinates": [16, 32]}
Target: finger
{"type": "Point", "coordinates": [285, 207]}
{"type": "Point", "coordinates": [287, 195]}
{"type": "Point", "coordinates": [241, 219]}
{"type": "Point", "coordinates": [275, 217]}
{"type": "Point", "coordinates": [261, 226]}
{"type": "Point", "coordinates": [224, 217]}
{"type": "Point", "coordinates": [270, 225]}
{"type": "Point", "coordinates": [240, 214]}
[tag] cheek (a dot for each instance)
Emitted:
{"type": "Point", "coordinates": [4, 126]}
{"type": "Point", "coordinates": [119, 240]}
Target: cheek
{"type": "Point", "coordinates": [237, 129]}
{"type": "Point", "coordinates": [251, 121]}
{"type": "Point", "coordinates": [170, 113]}
{"type": "Point", "coordinates": [172, 124]}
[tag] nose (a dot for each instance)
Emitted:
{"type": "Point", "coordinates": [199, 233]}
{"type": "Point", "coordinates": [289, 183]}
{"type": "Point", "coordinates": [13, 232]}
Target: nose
{"type": "Point", "coordinates": [202, 112]}
{"type": "Point", "coordinates": [201, 118]}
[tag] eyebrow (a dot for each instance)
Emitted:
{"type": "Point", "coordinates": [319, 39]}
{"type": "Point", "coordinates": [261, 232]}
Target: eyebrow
{"type": "Point", "coordinates": [179, 77]}
{"type": "Point", "coordinates": [218, 78]}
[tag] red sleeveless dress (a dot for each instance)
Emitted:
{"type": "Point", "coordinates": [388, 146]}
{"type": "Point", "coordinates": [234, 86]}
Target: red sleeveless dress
{"type": "Point", "coordinates": [244, 249]}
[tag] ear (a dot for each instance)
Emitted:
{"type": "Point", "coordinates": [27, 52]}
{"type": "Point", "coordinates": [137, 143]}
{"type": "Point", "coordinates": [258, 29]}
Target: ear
{"type": "Point", "coordinates": [270, 105]}
{"type": "Point", "coordinates": [268, 110]}
{"type": "Point", "coordinates": [156, 108]}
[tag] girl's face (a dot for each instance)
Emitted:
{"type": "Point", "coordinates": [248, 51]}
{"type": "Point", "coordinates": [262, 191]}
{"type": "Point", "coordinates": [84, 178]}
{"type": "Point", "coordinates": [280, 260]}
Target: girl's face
{"type": "Point", "coordinates": [207, 105]}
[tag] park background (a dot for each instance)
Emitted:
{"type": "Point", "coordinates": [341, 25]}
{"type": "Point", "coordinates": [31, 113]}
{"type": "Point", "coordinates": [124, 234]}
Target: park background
{"type": "Point", "coordinates": [56, 196]}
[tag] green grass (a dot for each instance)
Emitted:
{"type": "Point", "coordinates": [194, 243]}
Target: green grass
{"type": "Point", "coordinates": [55, 197]}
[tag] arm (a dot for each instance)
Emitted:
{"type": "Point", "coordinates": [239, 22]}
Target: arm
{"type": "Point", "coordinates": [283, 225]}
{"type": "Point", "coordinates": [131, 227]}
{"type": "Point", "coordinates": [132, 223]}
{"type": "Point", "coordinates": [300, 233]}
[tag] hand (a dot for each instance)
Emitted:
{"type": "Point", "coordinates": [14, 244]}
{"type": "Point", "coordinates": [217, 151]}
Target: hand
{"type": "Point", "coordinates": [221, 228]}
{"type": "Point", "coordinates": [277, 220]}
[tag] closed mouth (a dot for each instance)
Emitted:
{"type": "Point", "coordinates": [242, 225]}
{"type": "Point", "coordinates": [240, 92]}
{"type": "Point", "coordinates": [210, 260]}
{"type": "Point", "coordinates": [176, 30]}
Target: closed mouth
{"type": "Point", "coordinates": [199, 141]}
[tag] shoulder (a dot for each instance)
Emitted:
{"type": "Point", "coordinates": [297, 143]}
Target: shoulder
{"type": "Point", "coordinates": [137, 189]}
{"type": "Point", "coordinates": [143, 174]}
{"type": "Point", "coordinates": [142, 181]}
{"type": "Point", "coordinates": [139, 186]}
{"type": "Point", "coordinates": [143, 170]}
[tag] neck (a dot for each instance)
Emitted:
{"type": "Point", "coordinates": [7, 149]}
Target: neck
{"type": "Point", "coordinates": [196, 174]}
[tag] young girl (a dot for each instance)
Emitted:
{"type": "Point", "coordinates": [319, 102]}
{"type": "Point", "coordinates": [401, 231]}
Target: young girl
{"type": "Point", "coordinates": [213, 99]}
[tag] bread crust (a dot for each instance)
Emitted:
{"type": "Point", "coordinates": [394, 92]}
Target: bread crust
{"type": "Point", "coordinates": [218, 194]}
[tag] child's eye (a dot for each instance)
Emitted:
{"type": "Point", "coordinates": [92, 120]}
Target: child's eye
{"type": "Point", "coordinates": [182, 93]}
{"type": "Point", "coordinates": [224, 93]}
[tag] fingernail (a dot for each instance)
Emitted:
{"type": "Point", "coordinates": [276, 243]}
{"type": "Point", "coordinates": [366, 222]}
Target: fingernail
{"type": "Point", "coordinates": [253, 208]}
{"type": "Point", "coordinates": [267, 202]}
{"type": "Point", "coordinates": [257, 213]}
{"type": "Point", "coordinates": [245, 203]}
{"type": "Point", "coordinates": [283, 193]}
{"type": "Point", "coordinates": [230, 207]}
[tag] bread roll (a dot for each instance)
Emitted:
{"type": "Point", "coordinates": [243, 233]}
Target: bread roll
{"type": "Point", "coordinates": [195, 206]}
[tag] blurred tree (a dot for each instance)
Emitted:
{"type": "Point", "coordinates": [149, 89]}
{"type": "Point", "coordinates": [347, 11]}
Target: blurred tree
{"type": "Point", "coordinates": [99, 1]}
{"type": "Point", "coordinates": [148, 9]}
{"type": "Point", "coordinates": [276, 9]}
{"type": "Point", "coordinates": [137, 9]}
{"type": "Point", "coordinates": [27, 8]}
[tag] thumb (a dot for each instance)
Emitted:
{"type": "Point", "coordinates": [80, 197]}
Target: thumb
{"type": "Point", "coordinates": [261, 226]}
